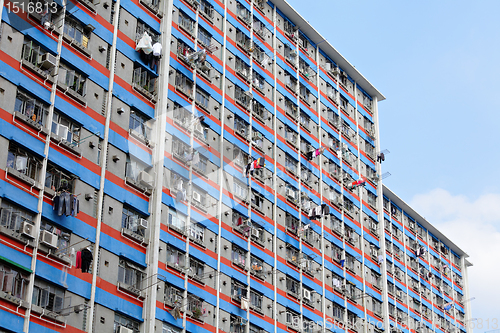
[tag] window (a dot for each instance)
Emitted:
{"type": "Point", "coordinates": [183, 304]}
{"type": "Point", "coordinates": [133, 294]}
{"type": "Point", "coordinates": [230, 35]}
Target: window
{"type": "Point", "coordinates": [258, 81]}
{"type": "Point", "coordinates": [32, 53]}
{"type": "Point", "coordinates": [239, 256]}
{"type": "Point", "coordinates": [130, 274]}
{"type": "Point", "coordinates": [243, 41]}
{"type": "Point", "coordinates": [256, 300]}
{"type": "Point", "coordinates": [257, 139]}
{"type": "Point", "coordinates": [375, 279]}
{"type": "Point", "coordinates": [348, 205]}
{"type": "Point", "coordinates": [337, 225]}
{"type": "Point", "coordinates": [305, 69]}
{"type": "Point", "coordinates": [304, 93]}
{"type": "Point", "coordinates": [136, 173]}
{"type": "Point", "coordinates": [23, 162]}
{"type": "Point", "coordinates": [183, 50]}
{"type": "Point", "coordinates": [125, 322]}
{"type": "Point", "coordinates": [131, 220]}
{"type": "Point", "coordinates": [335, 171]}
{"type": "Point", "coordinates": [202, 98]}
{"type": "Point", "coordinates": [197, 268]}
{"type": "Point", "coordinates": [305, 146]}
{"type": "Point", "coordinates": [372, 199]}
{"type": "Point", "coordinates": [182, 116]}
{"type": "Point", "coordinates": [181, 150]}
{"type": "Point", "coordinates": [177, 220]}
{"type": "Point", "coordinates": [183, 84]}
{"type": "Point", "coordinates": [292, 194]}
{"type": "Point", "coordinates": [55, 179]}
{"type": "Point", "coordinates": [144, 81]}
{"type": "Point", "coordinates": [206, 9]}
{"type": "Point", "coordinates": [63, 237]}
{"type": "Point", "coordinates": [291, 108]}
{"type": "Point", "coordinates": [290, 82]}
{"type": "Point", "coordinates": [338, 312]}
{"type": "Point", "coordinates": [242, 68]}
{"type": "Point", "coordinates": [257, 201]}
{"type": "Point", "coordinates": [200, 197]}
{"type": "Point", "coordinates": [242, 97]}
{"type": "Point", "coordinates": [291, 136]}
{"type": "Point", "coordinates": [47, 296]}
{"type": "Point", "coordinates": [305, 121]}
{"type": "Point", "coordinates": [74, 30]}
{"type": "Point", "coordinates": [238, 290]}
{"type": "Point", "coordinates": [258, 27]}
{"type": "Point", "coordinates": [292, 254]}
{"type": "Point", "coordinates": [201, 165]}
{"type": "Point", "coordinates": [350, 262]}
{"type": "Point", "coordinates": [240, 157]}
{"type": "Point", "coordinates": [292, 286]}
{"type": "Point", "coordinates": [303, 41]}
{"type": "Point", "coordinates": [186, 23]}
{"type": "Point", "coordinates": [292, 223]}
{"type": "Point", "coordinates": [142, 28]}
{"type": "Point", "coordinates": [259, 111]}
{"type": "Point", "coordinates": [173, 295]}
{"type": "Point", "coordinates": [243, 13]}
{"type": "Point", "coordinates": [290, 54]}
{"type": "Point", "coordinates": [288, 27]}
{"type": "Point", "coordinates": [73, 80]}
{"type": "Point", "coordinates": [66, 129]}
{"type": "Point", "coordinates": [240, 190]}
{"type": "Point", "coordinates": [31, 108]}
{"type": "Point", "coordinates": [204, 37]}
{"type": "Point", "coordinates": [291, 164]}
{"type": "Point", "coordinates": [337, 253]}
{"type": "Point", "coordinates": [258, 267]}
{"type": "Point", "coordinates": [13, 281]}
{"type": "Point", "coordinates": [376, 307]}
{"type": "Point", "coordinates": [170, 329]}
{"type": "Point", "coordinates": [238, 325]}
{"type": "Point", "coordinates": [13, 217]}
{"type": "Point", "coordinates": [138, 123]}
{"type": "Point", "coordinates": [241, 127]}
{"type": "Point", "coordinates": [176, 258]}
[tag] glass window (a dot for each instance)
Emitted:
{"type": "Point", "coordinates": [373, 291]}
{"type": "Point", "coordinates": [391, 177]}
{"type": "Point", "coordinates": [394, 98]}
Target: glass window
{"type": "Point", "coordinates": [58, 180]}
{"type": "Point", "coordinates": [138, 123]}
{"type": "Point", "coordinates": [129, 274]}
{"type": "Point", "coordinates": [204, 37]}
{"type": "Point", "coordinates": [31, 108]}
{"type": "Point", "coordinates": [48, 296]}
{"type": "Point", "coordinates": [63, 237]}
{"type": "Point", "coordinates": [23, 162]}
{"type": "Point", "coordinates": [177, 219]}
{"type": "Point", "coordinates": [13, 217]}
{"type": "Point", "coordinates": [125, 322]}
{"type": "Point", "coordinates": [13, 281]}
{"type": "Point", "coordinates": [131, 221]}
{"type": "Point", "coordinates": [72, 79]}
{"type": "Point", "coordinates": [66, 129]}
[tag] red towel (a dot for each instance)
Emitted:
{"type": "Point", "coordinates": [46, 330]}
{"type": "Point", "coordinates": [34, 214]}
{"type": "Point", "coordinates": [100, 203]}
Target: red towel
{"type": "Point", "coordinates": [78, 259]}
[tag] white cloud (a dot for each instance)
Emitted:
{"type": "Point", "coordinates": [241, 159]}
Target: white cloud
{"type": "Point", "coordinates": [473, 225]}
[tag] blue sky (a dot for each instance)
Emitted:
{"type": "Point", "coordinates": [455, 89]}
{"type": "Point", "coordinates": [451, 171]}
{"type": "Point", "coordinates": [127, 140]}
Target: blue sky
{"type": "Point", "coordinates": [436, 63]}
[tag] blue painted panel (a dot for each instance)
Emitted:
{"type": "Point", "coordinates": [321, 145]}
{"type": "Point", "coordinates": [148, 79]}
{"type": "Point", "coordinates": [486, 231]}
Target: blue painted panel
{"type": "Point", "coordinates": [238, 25]}
{"type": "Point", "coordinates": [119, 248]}
{"type": "Point", "coordinates": [78, 116]}
{"type": "Point", "coordinates": [236, 80]}
{"type": "Point", "coordinates": [14, 133]}
{"type": "Point", "coordinates": [137, 12]}
{"type": "Point", "coordinates": [118, 304]}
{"type": "Point", "coordinates": [16, 256]}
{"type": "Point", "coordinates": [122, 195]}
{"type": "Point", "coordinates": [76, 226]}
{"type": "Point", "coordinates": [75, 168]}
{"type": "Point", "coordinates": [18, 196]}
{"type": "Point", "coordinates": [13, 322]}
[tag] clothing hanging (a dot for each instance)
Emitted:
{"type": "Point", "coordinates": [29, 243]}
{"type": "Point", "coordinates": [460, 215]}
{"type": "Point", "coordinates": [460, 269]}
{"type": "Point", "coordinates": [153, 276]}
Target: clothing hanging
{"type": "Point", "coordinates": [86, 260]}
{"type": "Point", "coordinates": [78, 262]}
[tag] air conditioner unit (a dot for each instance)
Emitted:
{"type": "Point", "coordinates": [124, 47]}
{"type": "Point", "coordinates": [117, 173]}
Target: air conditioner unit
{"type": "Point", "coordinates": [307, 294]}
{"type": "Point", "coordinates": [196, 196]}
{"type": "Point", "coordinates": [123, 329]}
{"type": "Point", "coordinates": [48, 238]}
{"type": "Point", "coordinates": [144, 178]}
{"type": "Point", "coordinates": [255, 232]}
{"type": "Point", "coordinates": [62, 131]}
{"type": "Point", "coordinates": [48, 61]}
{"type": "Point", "coordinates": [143, 224]}
{"type": "Point", "coordinates": [290, 193]}
{"type": "Point", "coordinates": [198, 128]}
{"type": "Point", "coordinates": [248, 223]}
{"type": "Point", "coordinates": [28, 230]}
{"type": "Point", "coordinates": [328, 66]}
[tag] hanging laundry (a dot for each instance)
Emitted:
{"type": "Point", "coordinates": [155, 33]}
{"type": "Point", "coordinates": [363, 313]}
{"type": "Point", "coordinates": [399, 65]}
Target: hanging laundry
{"type": "Point", "coordinates": [342, 262]}
{"type": "Point", "coordinates": [78, 262]}
{"type": "Point", "coordinates": [255, 165]}
{"type": "Point", "coordinates": [356, 183]}
{"type": "Point", "coordinates": [175, 312]}
{"type": "Point", "coordinates": [86, 260]}
{"type": "Point", "coordinates": [448, 306]}
{"type": "Point", "coordinates": [244, 304]}
{"type": "Point", "coordinates": [145, 44]}
{"type": "Point", "coordinates": [312, 154]}
{"type": "Point", "coordinates": [319, 211]}
{"type": "Point", "coordinates": [75, 205]}
{"type": "Point", "coordinates": [196, 158]}
{"type": "Point", "coordinates": [380, 157]}
{"type": "Point", "coordinates": [380, 259]}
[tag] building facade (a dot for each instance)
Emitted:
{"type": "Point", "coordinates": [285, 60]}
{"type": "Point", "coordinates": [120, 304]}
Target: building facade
{"type": "Point", "coordinates": [202, 166]}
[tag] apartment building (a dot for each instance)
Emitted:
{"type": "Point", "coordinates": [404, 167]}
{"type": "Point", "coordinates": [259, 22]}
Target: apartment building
{"type": "Point", "coordinates": [202, 166]}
